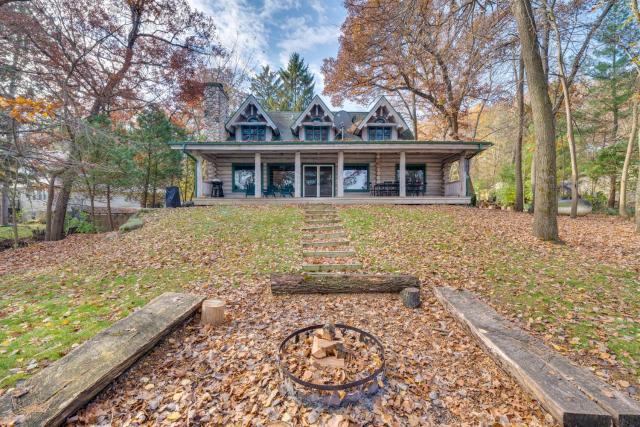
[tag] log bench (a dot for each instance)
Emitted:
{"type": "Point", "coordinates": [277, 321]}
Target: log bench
{"type": "Point", "coordinates": [571, 394]}
{"type": "Point", "coordinates": [56, 392]}
{"type": "Point", "coordinates": [332, 283]}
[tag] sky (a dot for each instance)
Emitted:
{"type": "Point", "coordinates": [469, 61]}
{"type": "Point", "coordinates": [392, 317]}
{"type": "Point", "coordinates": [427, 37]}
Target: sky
{"type": "Point", "coordinates": [266, 32]}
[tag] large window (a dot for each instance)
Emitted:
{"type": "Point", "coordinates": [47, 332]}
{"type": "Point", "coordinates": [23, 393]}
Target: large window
{"type": "Point", "coordinates": [356, 178]}
{"type": "Point", "coordinates": [379, 133]}
{"type": "Point", "coordinates": [254, 133]}
{"type": "Point", "coordinates": [316, 133]}
{"type": "Point", "coordinates": [281, 176]}
{"type": "Point", "coordinates": [242, 175]}
{"type": "Point", "coordinates": [415, 174]}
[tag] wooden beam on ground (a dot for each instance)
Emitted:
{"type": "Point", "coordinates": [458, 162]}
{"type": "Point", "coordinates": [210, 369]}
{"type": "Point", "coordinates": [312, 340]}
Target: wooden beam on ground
{"type": "Point", "coordinates": [56, 392]}
{"type": "Point", "coordinates": [332, 283]}
{"type": "Point", "coordinates": [573, 395]}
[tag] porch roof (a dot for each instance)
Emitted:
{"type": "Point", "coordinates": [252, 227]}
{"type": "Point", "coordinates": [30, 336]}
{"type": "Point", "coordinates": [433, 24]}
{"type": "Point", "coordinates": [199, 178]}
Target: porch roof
{"type": "Point", "coordinates": [470, 147]}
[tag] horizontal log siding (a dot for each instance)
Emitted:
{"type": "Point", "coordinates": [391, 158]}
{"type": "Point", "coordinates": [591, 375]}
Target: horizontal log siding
{"type": "Point", "coordinates": [388, 161]}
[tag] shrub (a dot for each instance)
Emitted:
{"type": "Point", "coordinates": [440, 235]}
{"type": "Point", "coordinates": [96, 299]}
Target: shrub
{"type": "Point", "coordinates": [78, 223]}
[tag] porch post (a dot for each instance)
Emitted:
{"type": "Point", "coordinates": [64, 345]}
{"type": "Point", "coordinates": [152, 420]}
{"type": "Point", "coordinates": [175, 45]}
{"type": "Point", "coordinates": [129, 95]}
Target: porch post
{"type": "Point", "coordinates": [297, 180]}
{"type": "Point", "coordinates": [340, 174]}
{"type": "Point", "coordinates": [403, 174]}
{"type": "Point", "coordinates": [463, 175]}
{"type": "Point", "coordinates": [257, 176]}
{"type": "Point", "coordinates": [199, 180]}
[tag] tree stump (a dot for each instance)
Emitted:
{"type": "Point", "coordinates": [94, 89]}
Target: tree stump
{"type": "Point", "coordinates": [410, 297]}
{"type": "Point", "coordinates": [212, 312]}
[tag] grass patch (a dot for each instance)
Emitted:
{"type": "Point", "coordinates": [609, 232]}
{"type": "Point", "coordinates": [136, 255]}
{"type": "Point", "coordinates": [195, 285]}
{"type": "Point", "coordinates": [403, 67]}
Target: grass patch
{"type": "Point", "coordinates": [47, 310]}
{"type": "Point", "coordinates": [6, 232]}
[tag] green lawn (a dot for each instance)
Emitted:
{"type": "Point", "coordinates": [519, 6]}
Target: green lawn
{"type": "Point", "coordinates": [580, 297]}
{"type": "Point", "coordinates": [581, 301]}
{"type": "Point", "coordinates": [6, 232]}
{"type": "Point", "coordinates": [47, 309]}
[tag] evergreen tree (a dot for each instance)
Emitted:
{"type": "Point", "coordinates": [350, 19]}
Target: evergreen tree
{"type": "Point", "coordinates": [157, 164]}
{"type": "Point", "coordinates": [297, 84]}
{"type": "Point", "coordinates": [265, 86]}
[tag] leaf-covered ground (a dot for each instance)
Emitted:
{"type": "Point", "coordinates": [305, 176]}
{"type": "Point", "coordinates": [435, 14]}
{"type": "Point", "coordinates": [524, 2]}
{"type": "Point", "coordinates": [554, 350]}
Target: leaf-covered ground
{"type": "Point", "coordinates": [581, 297]}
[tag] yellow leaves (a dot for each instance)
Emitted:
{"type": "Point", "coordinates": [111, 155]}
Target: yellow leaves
{"type": "Point", "coordinates": [174, 416]}
{"type": "Point", "coordinates": [27, 110]}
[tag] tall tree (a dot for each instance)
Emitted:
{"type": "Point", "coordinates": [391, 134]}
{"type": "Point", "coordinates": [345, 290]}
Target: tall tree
{"type": "Point", "coordinates": [545, 223]}
{"type": "Point", "coordinates": [266, 87]}
{"type": "Point", "coordinates": [296, 90]}
{"type": "Point", "coordinates": [519, 75]}
{"type": "Point", "coordinates": [439, 50]}
{"type": "Point", "coordinates": [101, 57]}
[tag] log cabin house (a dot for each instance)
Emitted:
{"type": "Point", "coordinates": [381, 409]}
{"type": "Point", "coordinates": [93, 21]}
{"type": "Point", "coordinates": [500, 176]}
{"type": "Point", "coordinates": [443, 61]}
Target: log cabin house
{"type": "Point", "coordinates": [319, 154]}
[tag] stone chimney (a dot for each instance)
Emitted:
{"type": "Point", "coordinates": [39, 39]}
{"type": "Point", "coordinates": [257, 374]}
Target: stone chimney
{"type": "Point", "coordinates": [216, 106]}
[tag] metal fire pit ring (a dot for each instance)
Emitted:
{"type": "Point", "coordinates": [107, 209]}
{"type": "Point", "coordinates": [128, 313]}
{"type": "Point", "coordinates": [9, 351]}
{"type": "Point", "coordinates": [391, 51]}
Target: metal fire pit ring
{"type": "Point", "coordinates": [364, 337]}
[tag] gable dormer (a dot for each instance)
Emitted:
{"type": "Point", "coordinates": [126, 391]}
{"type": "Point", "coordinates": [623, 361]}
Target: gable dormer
{"type": "Point", "coordinates": [252, 123]}
{"type": "Point", "coordinates": [382, 123]}
{"type": "Point", "coordinates": [315, 123]}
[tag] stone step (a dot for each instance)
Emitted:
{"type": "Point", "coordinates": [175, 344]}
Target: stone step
{"type": "Point", "coordinates": [320, 211]}
{"type": "Point", "coordinates": [329, 254]}
{"type": "Point", "coordinates": [322, 227]}
{"type": "Point", "coordinates": [336, 235]}
{"type": "Point", "coordinates": [326, 243]}
{"type": "Point", "coordinates": [322, 221]}
{"type": "Point", "coordinates": [331, 267]}
{"type": "Point", "coordinates": [321, 215]}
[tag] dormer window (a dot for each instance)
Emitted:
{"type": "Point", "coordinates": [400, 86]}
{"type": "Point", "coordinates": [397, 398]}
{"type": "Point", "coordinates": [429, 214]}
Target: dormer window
{"type": "Point", "coordinates": [254, 133]}
{"type": "Point", "coordinates": [316, 133]}
{"type": "Point", "coordinates": [379, 133]}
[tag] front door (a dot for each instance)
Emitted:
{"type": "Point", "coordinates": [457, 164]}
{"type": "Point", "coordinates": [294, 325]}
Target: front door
{"type": "Point", "coordinates": [318, 181]}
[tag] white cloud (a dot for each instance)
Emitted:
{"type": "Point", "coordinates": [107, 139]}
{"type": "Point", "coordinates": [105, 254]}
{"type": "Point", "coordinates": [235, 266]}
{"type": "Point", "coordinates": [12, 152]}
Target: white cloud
{"type": "Point", "coordinates": [303, 37]}
{"type": "Point", "coordinates": [239, 27]}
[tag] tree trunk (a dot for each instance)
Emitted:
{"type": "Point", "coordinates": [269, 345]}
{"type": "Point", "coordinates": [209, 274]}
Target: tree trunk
{"type": "Point", "coordinates": [14, 202]}
{"type": "Point", "coordinates": [51, 191]}
{"type": "Point", "coordinates": [519, 205]}
{"type": "Point", "coordinates": [627, 161]}
{"type": "Point", "coordinates": [611, 203]}
{"type": "Point", "coordinates": [638, 191]}
{"type": "Point", "coordinates": [545, 223]}
{"type": "Point", "coordinates": [60, 212]}
{"type": "Point", "coordinates": [4, 204]}
{"type": "Point", "coordinates": [109, 208]}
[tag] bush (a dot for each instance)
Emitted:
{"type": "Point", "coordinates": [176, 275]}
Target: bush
{"type": "Point", "coordinates": [598, 201]}
{"type": "Point", "coordinates": [132, 224]}
{"type": "Point", "coordinates": [78, 222]}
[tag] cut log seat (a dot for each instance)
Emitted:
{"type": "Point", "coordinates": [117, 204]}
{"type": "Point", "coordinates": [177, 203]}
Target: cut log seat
{"type": "Point", "coordinates": [331, 283]}
{"type": "Point", "coordinates": [571, 394]}
{"type": "Point", "coordinates": [56, 392]}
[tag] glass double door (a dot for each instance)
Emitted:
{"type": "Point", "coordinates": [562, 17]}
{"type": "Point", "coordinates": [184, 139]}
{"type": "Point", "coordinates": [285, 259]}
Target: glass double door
{"type": "Point", "coordinates": [318, 181]}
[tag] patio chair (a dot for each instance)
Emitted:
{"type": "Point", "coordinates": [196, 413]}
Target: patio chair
{"type": "Point", "coordinates": [249, 190]}
{"type": "Point", "coordinates": [287, 190]}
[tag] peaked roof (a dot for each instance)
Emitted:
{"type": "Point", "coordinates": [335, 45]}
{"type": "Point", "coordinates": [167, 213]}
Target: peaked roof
{"type": "Point", "coordinates": [252, 100]}
{"type": "Point", "coordinates": [316, 100]}
{"type": "Point", "coordinates": [382, 101]}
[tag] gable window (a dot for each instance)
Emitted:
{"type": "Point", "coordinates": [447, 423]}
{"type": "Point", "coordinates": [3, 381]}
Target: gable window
{"type": "Point", "coordinates": [356, 178]}
{"type": "Point", "coordinates": [316, 133]}
{"type": "Point", "coordinates": [242, 175]}
{"type": "Point", "coordinates": [254, 133]}
{"type": "Point", "coordinates": [379, 133]}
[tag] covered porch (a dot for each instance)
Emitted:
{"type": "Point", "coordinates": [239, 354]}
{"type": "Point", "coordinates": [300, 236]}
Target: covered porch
{"type": "Point", "coordinates": [380, 173]}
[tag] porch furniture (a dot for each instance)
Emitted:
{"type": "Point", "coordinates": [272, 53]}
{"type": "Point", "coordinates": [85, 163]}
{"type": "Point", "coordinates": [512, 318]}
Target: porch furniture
{"type": "Point", "coordinates": [270, 191]}
{"type": "Point", "coordinates": [386, 189]}
{"type": "Point", "coordinates": [416, 189]}
{"type": "Point", "coordinates": [216, 188]}
{"type": "Point", "coordinates": [287, 190]}
{"type": "Point", "coordinates": [249, 189]}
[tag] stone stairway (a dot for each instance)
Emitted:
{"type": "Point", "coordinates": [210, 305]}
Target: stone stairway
{"type": "Point", "coordinates": [326, 247]}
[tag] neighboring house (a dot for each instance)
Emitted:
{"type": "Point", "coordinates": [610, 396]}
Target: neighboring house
{"type": "Point", "coordinates": [32, 204]}
{"type": "Point", "coordinates": [320, 153]}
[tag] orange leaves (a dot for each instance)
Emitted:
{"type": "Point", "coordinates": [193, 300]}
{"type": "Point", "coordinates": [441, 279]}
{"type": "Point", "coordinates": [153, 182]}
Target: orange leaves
{"type": "Point", "coordinates": [27, 110]}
